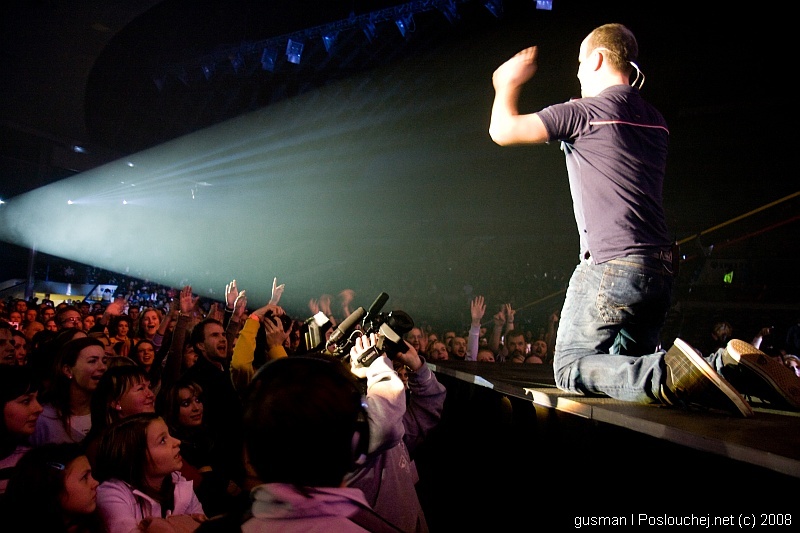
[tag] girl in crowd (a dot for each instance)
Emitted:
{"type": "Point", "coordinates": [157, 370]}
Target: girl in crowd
{"type": "Point", "coordinates": [123, 390]}
{"type": "Point", "coordinates": [119, 331]}
{"type": "Point", "coordinates": [144, 354]}
{"type": "Point", "coordinates": [79, 366]}
{"type": "Point", "coordinates": [52, 489]}
{"type": "Point", "coordinates": [138, 464]}
{"type": "Point", "coordinates": [21, 410]}
{"type": "Point", "coordinates": [88, 322]}
{"type": "Point", "coordinates": [149, 321]}
{"type": "Point", "coordinates": [183, 412]}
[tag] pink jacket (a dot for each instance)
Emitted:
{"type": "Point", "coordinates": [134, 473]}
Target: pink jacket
{"type": "Point", "coordinates": [122, 507]}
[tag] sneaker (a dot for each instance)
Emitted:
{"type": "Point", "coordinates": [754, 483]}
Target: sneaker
{"type": "Point", "coordinates": [690, 380]}
{"type": "Point", "coordinates": [763, 376]}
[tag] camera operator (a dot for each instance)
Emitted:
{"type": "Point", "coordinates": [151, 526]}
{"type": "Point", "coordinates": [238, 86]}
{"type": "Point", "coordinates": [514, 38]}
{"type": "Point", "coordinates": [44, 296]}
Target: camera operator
{"type": "Point", "coordinates": [398, 423]}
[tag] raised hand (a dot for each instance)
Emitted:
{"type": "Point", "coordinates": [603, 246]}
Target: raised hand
{"type": "Point", "coordinates": [325, 304]}
{"type": "Point", "coordinates": [215, 312]}
{"type": "Point", "coordinates": [477, 309]}
{"type": "Point", "coordinates": [116, 307]}
{"type": "Point", "coordinates": [410, 357]}
{"type": "Point", "coordinates": [509, 312]}
{"type": "Point", "coordinates": [277, 291]}
{"type": "Point", "coordinates": [231, 293]}
{"type": "Point", "coordinates": [187, 300]}
{"type": "Point", "coordinates": [273, 327]}
{"type": "Point", "coordinates": [240, 305]}
{"type": "Point", "coordinates": [517, 70]}
{"type": "Point", "coordinates": [499, 317]}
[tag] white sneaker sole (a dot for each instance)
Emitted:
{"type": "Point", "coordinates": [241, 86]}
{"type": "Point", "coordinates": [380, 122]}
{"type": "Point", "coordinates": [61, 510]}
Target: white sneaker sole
{"type": "Point", "coordinates": [719, 382]}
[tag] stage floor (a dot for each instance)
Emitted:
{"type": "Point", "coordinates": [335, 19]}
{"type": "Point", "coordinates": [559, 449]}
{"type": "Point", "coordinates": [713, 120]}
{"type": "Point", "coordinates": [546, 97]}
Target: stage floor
{"type": "Point", "coordinates": [770, 439]}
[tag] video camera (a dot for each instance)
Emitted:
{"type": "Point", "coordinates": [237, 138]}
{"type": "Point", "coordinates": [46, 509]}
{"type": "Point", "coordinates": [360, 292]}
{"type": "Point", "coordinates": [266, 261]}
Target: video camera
{"type": "Point", "coordinates": [390, 328]}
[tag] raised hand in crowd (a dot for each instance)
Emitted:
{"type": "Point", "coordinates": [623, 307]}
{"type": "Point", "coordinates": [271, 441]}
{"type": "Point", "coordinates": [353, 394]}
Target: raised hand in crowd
{"type": "Point", "coordinates": [277, 291]}
{"type": "Point", "coordinates": [216, 313]}
{"type": "Point", "coordinates": [346, 297]}
{"type": "Point", "coordinates": [231, 294]}
{"type": "Point", "coordinates": [477, 308]}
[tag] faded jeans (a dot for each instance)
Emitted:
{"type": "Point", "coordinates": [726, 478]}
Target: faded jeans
{"type": "Point", "coordinates": [608, 340]}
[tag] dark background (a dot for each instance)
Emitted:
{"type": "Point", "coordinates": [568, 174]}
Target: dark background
{"type": "Point", "coordinates": [370, 167]}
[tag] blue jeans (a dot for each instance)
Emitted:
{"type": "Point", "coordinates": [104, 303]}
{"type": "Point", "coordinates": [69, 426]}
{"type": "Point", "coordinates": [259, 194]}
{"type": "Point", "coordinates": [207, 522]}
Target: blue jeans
{"type": "Point", "coordinates": [608, 340]}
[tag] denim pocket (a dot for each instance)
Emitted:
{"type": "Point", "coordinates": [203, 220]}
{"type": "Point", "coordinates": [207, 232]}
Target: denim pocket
{"type": "Point", "coordinates": [623, 292]}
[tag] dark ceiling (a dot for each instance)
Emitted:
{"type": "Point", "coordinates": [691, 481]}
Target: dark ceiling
{"type": "Point", "coordinates": [118, 77]}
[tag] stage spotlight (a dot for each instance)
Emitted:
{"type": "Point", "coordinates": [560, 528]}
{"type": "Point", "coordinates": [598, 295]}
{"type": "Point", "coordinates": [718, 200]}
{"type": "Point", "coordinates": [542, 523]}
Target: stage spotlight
{"type": "Point", "coordinates": [450, 12]}
{"type": "Point", "coordinates": [405, 24]}
{"type": "Point", "coordinates": [160, 81]}
{"type": "Point", "coordinates": [329, 40]}
{"type": "Point", "coordinates": [294, 50]}
{"type": "Point", "coordinates": [369, 30]}
{"type": "Point", "coordinates": [208, 69]}
{"type": "Point", "coordinates": [547, 5]}
{"type": "Point", "coordinates": [268, 57]}
{"type": "Point", "coordinates": [237, 62]}
{"type": "Point", "coordinates": [495, 7]}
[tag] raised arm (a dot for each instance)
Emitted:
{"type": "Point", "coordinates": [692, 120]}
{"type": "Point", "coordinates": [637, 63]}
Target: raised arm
{"type": "Point", "coordinates": [507, 125]}
{"type": "Point", "coordinates": [477, 308]}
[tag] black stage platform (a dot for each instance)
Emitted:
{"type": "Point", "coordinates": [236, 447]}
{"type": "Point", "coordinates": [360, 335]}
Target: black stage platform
{"type": "Point", "coordinates": [512, 447]}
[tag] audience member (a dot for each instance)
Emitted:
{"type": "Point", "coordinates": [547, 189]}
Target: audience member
{"type": "Point", "coordinates": [80, 364]}
{"type": "Point", "coordinates": [305, 428]}
{"type": "Point", "coordinates": [89, 322]}
{"type": "Point", "coordinates": [21, 410]}
{"type": "Point", "coordinates": [485, 355]}
{"type": "Point", "coordinates": [203, 464]}
{"type": "Point", "coordinates": [8, 350]}
{"type": "Point", "coordinates": [147, 324]}
{"type": "Point", "coordinates": [792, 362]}
{"type": "Point", "coordinates": [503, 322]}
{"type": "Point", "coordinates": [119, 332]}
{"type": "Point", "coordinates": [515, 347]}
{"type": "Point", "coordinates": [69, 316]}
{"type": "Point", "coordinates": [53, 490]}
{"type": "Point", "coordinates": [399, 420]}
{"type": "Point", "coordinates": [437, 351]}
{"type": "Point", "coordinates": [144, 354]}
{"type": "Point", "coordinates": [138, 466]}
{"type": "Point", "coordinates": [538, 352]}
{"type": "Point", "coordinates": [123, 390]}
{"type": "Point", "coordinates": [477, 308]}
{"type": "Point", "coordinates": [223, 408]}
{"type": "Point", "coordinates": [417, 339]}
{"type": "Point", "coordinates": [21, 347]}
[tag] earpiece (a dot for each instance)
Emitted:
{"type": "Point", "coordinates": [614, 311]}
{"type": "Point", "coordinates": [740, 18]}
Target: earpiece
{"type": "Point", "coordinates": [639, 74]}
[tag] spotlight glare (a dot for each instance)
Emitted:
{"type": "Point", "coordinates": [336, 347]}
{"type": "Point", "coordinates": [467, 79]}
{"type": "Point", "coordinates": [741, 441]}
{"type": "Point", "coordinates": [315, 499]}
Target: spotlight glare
{"type": "Point", "coordinates": [70, 202]}
{"type": "Point", "coordinates": [124, 202]}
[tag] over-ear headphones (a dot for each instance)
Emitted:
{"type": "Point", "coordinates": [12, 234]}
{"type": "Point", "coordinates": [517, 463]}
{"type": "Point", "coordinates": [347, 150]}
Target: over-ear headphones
{"type": "Point", "coordinates": [307, 373]}
{"type": "Point", "coordinates": [361, 435]}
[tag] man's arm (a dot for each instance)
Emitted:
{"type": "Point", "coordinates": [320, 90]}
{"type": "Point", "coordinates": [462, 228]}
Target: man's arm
{"type": "Point", "coordinates": [507, 126]}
